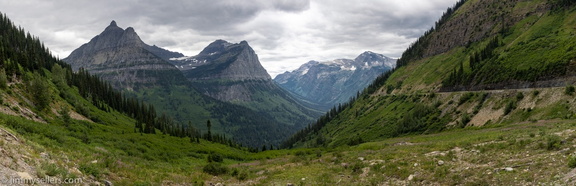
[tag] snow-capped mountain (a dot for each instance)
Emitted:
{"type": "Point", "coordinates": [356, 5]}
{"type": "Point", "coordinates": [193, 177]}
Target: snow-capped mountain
{"type": "Point", "coordinates": [328, 83]}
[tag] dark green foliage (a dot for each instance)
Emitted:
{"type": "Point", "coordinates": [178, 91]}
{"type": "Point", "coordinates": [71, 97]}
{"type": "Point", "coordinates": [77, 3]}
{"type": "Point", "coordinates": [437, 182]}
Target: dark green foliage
{"type": "Point", "coordinates": [321, 122]}
{"type": "Point", "coordinates": [40, 92]}
{"type": "Point", "coordinates": [215, 169]}
{"type": "Point", "coordinates": [553, 142]}
{"type": "Point", "coordinates": [418, 119]}
{"type": "Point", "coordinates": [465, 119]}
{"type": "Point", "coordinates": [519, 96]}
{"type": "Point", "coordinates": [477, 60]}
{"type": "Point", "coordinates": [65, 115]}
{"type": "Point", "coordinates": [90, 169]}
{"type": "Point", "coordinates": [215, 157]}
{"type": "Point", "coordinates": [465, 98]}
{"type": "Point", "coordinates": [569, 90]}
{"type": "Point", "coordinates": [510, 106]}
{"type": "Point", "coordinates": [356, 141]}
{"type": "Point", "coordinates": [3, 79]}
{"type": "Point", "coordinates": [572, 161]}
{"type": "Point", "coordinates": [559, 4]}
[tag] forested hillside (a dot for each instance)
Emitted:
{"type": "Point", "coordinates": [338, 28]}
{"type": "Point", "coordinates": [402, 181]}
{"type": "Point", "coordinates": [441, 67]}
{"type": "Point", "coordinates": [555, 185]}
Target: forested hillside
{"type": "Point", "coordinates": [476, 45]}
{"type": "Point", "coordinates": [72, 125]}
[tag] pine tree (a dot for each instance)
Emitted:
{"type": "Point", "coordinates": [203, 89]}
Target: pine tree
{"type": "Point", "coordinates": [209, 135]}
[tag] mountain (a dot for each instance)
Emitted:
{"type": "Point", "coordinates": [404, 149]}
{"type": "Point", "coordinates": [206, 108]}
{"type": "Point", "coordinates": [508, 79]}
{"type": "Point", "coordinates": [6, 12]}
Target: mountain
{"type": "Point", "coordinates": [232, 72]}
{"type": "Point", "coordinates": [48, 108]}
{"type": "Point", "coordinates": [484, 63]}
{"type": "Point", "coordinates": [332, 82]}
{"type": "Point", "coordinates": [120, 57]}
{"type": "Point", "coordinates": [253, 110]}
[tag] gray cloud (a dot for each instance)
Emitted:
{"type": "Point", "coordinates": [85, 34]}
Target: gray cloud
{"type": "Point", "coordinates": [284, 33]}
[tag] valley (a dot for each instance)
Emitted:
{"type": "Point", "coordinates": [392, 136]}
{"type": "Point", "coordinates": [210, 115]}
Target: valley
{"type": "Point", "coordinates": [485, 97]}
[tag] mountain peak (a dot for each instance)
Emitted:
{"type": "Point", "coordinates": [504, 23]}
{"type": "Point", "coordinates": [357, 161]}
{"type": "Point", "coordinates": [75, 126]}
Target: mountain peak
{"type": "Point", "coordinates": [130, 30]}
{"type": "Point", "coordinates": [224, 60]}
{"type": "Point", "coordinates": [113, 24]}
{"type": "Point", "coordinates": [215, 47]}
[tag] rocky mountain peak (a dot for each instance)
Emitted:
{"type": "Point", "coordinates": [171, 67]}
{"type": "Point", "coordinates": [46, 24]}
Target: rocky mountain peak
{"type": "Point", "coordinates": [224, 60]}
{"type": "Point", "coordinates": [214, 47]}
{"type": "Point", "coordinates": [121, 57]}
{"type": "Point", "coordinates": [113, 24]}
{"type": "Point", "coordinates": [369, 58]}
{"type": "Point", "coordinates": [327, 83]}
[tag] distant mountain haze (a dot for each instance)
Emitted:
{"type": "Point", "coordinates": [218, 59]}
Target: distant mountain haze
{"type": "Point", "coordinates": [328, 83]}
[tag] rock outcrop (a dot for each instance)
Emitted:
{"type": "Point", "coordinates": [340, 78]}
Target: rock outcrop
{"type": "Point", "coordinates": [122, 58]}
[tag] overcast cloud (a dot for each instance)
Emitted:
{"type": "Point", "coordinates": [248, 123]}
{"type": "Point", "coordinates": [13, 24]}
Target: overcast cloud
{"type": "Point", "coordinates": [284, 33]}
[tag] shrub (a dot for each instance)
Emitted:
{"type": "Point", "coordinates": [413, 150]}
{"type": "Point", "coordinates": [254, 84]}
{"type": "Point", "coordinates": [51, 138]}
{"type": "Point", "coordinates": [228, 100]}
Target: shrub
{"type": "Point", "coordinates": [465, 119]}
{"type": "Point", "coordinates": [215, 157]}
{"type": "Point", "coordinates": [465, 98]}
{"type": "Point", "coordinates": [553, 142]}
{"type": "Point", "coordinates": [569, 90]}
{"type": "Point", "coordinates": [52, 169]}
{"type": "Point", "coordinates": [90, 169]}
{"type": "Point", "coordinates": [300, 153]}
{"type": "Point", "coordinates": [572, 162]}
{"type": "Point", "coordinates": [215, 169]}
{"type": "Point", "coordinates": [242, 176]}
{"type": "Point", "coordinates": [509, 107]}
{"type": "Point", "coordinates": [519, 96]}
{"type": "Point", "coordinates": [41, 93]}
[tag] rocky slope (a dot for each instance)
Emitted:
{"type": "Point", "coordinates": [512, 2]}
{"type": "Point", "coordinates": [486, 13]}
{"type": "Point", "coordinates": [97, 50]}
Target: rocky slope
{"type": "Point", "coordinates": [122, 58]}
{"type": "Point", "coordinates": [329, 83]}
{"type": "Point", "coordinates": [232, 72]}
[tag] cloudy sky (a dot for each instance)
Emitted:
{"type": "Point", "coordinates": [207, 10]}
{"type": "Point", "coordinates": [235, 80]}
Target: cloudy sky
{"type": "Point", "coordinates": [284, 33]}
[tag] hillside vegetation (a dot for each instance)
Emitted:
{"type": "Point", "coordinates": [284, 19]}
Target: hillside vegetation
{"type": "Point", "coordinates": [59, 124]}
{"type": "Point", "coordinates": [485, 97]}
{"type": "Point", "coordinates": [530, 46]}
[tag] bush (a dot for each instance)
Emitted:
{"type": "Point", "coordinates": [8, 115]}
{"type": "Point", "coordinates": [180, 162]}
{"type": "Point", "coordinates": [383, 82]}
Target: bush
{"type": "Point", "coordinates": [465, 98]}
{"type": "Point", "coordinates": [519, 96]}
{"type": "Point", "coordinates": [569, 90]}
{"type": "Point", "coordinates": [509, 107]}
{"type": "Point", "coordinates": [90, 169]}
{"type": "Point", "coordinates": [215, 157]}
{"type": "Point", "coordinates": [553, 142]}
{"type": "Point", "coordinates": [239, 174]}
{"type": "Point", "coordinates": [215, 169]}
{"type": "Point", "coordinates": [41, 93]}
{"type": "Point", "coordinates": [572, 162]}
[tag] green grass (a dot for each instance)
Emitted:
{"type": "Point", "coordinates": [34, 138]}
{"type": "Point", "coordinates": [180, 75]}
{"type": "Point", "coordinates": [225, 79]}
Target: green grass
{"type": "Point", "coordinates": [472, 155]}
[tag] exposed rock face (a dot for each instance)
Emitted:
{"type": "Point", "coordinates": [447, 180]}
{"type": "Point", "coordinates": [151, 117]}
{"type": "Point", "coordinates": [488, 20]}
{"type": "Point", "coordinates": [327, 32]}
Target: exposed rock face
{"type": "Point", "coordinates": [232, 73]}
{"type": "Point", "coordinates": [224, 60]}
{"type": "Point", "coordinates": [332, 82]}
{"type": "Point", "coordinates": [226, 71]}
{"type": "Point", "coordinates": [122, 58]}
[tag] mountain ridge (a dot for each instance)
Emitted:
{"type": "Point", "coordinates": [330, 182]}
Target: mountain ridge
{"type": "Point", "coordinates": [119, 56]}
{"type": "Point", "coordinates": [329, 83]}
{"type": "Point", "coordinates": [531, 45]}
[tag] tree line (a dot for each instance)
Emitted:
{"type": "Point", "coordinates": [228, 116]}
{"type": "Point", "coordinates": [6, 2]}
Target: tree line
{"type": "Point", "coordinates": [416, 50]}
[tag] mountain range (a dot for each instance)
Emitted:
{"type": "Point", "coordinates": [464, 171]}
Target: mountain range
{"type": "Point", "coordinates": [485, 97]}
{"type": "Point", "coordinates": [229, 87]}
{"type": "Point", "coordinates": [329, 83]}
